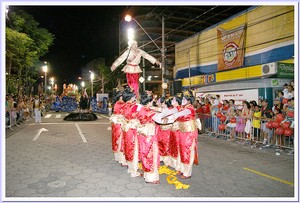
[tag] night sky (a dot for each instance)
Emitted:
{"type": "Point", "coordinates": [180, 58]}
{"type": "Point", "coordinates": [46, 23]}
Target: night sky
{"type": "Point", "coordinates": [82, 33]}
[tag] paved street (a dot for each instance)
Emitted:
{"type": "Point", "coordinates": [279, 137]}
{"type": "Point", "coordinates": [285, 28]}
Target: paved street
{"type": "Point", "coordinates": [74, 159]}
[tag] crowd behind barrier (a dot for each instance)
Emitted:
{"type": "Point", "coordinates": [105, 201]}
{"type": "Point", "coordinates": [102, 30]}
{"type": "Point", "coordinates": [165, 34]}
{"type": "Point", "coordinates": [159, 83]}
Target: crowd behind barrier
{"type": "Point", "coordinates": [19, 109]}
{"type": "Point", "coordinates": [258, 124]}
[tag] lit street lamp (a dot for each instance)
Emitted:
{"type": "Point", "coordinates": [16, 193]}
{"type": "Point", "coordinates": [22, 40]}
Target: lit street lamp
{"type": "Point", "coordinates": [45, 69]}
{"type": "Point", "coordinates": [92, 76]}
{"type": "Point", "coordinates": [52, 82]}
{"type": "Point", "coordinates": [128, 18]}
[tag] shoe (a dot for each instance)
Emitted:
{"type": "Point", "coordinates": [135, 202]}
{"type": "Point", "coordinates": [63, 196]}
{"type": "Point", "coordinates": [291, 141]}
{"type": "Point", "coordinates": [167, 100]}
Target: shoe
{"type": "Point", "coordinates": [184, 177]}
{"type": "Point", "coordinates": [266, 146]}
{"type": "Point", "coordinates": [154, 182]}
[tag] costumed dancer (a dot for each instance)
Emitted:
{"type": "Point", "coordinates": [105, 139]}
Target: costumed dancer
{"type": "Point", "coordinates": [147, 137]}
{"type": "Point", "coordinates": [187, 137]}
{"type": "Point", "coordinates": [164, 135]}
{"type": "Point", "coordinates": [117, 120]}
{"type": "Point", "coordinates": [130, 132]}
{"type": "Point", "coordinates": [132, 69]}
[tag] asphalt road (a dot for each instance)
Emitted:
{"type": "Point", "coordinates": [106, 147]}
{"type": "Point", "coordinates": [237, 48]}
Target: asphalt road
{"type": "Point", "coordinates": [73, 160]}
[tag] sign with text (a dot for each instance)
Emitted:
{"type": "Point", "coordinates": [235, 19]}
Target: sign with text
{"type": "Point", "coordinates": [285, 70]}
{"type": "Point", "coordinates": [230, 47]}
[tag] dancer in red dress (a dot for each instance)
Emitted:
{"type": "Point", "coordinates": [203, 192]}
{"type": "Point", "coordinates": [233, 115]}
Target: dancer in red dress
{"type": "Point", "coordinates": [147, 138]}
{"type": "Point", "coordinates": [130, 132]}
{"type": "Point", "coordinates": [117, 120]}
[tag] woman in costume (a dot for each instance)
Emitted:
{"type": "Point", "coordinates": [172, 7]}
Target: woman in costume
{"type": "Point", "coordinates": [117, 120]}
{"type": "Point", "coordinates": [164, 133]}
{"type": "Point", "coordinates": [147, 138]}
{"type": "Point", "coordinates": [130, 132]}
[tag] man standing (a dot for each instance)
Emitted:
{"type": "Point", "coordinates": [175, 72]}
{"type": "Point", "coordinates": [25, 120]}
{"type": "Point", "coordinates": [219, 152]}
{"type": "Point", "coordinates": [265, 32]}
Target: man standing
{"type": "Point", "coordinates": [37, 110]}
{"type": "Point", "coordinates": [132, 69]}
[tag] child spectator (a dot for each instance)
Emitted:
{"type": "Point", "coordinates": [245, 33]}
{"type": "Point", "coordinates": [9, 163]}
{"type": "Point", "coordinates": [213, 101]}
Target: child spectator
{"type": "Point", "coordinates": [240, 124]}
{"type": "Point", "coordinates": [256, 123]}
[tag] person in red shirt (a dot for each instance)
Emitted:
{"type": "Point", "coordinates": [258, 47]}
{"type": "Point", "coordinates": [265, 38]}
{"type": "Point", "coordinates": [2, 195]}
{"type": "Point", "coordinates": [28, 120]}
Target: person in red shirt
{"type": "Point", "coordinates": [207, 115]}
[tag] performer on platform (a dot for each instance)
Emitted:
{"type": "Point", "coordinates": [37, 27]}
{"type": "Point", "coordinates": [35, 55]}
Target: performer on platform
{"type": "Point", "coordinates": [147, 137]}
{"type": "Point", "coordinates": [130, 132]}
{"type": "Point", "coordinates": [118, 120]}
{"type": "Point", "coordinates": [132, 69]}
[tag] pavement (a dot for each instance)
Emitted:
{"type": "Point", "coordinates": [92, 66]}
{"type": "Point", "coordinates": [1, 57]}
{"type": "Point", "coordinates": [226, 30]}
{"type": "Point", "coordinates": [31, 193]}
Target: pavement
{"type": "Point", "coordinates": [59, 165]}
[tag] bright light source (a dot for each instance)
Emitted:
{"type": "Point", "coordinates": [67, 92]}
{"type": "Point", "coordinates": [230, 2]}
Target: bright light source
{"type": "Point", "coordinates": [128, 18]}
{"type": "Point", "coordinates": [92, 76]}
{"type": "Point", "coordinates": [45, 68]}
{"type": "Point", "coordinates": [82, 84]}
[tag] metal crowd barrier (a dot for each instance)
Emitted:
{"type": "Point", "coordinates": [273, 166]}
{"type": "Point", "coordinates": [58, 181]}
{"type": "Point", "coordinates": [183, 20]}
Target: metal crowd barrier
{"type": "Point", "coordinates": [217, 127]}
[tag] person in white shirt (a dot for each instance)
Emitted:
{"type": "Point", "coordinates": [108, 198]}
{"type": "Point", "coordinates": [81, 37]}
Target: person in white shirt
{"type": "Point", "coordinates": [37, 111]}
{"type": "Point", "coordinates": [132, 69]}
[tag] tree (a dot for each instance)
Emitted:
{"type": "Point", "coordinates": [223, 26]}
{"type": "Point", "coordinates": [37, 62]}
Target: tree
{"type": "Point", "coordinates": [25, 44]}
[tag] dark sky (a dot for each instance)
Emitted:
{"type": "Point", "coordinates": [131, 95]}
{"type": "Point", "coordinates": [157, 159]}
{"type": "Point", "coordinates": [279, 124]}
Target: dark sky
{"type": "Point", "coordinates": [82, 33]}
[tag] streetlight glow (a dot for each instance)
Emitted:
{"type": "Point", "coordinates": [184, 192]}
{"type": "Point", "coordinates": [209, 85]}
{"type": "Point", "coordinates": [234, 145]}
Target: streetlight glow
{"type": "Point", "coordinates": [130, 36]}
{"type": "Point", "coordinates": [92, 76]}
{"type": "Point", "coordinates": [128, 18]}
{"type": "Point", "coordinates": [45, 69]}
{"type": "Point", "coordinates": [82, 84]}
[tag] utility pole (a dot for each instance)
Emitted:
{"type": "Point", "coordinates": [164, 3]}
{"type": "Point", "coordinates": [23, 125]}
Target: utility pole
{"type": "Point", "coordinates": [163, 55]}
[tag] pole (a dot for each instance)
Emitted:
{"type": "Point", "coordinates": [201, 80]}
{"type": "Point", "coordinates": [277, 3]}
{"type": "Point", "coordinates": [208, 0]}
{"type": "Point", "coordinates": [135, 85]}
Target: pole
{"type": "Point", "coordinates": [92, 89]}
{"type": "Point", "coordinates": [189, 68]}
{"type": "Point", "coordinates": [45, 82]}
{"type": "Point", "coordinates": [144, 75]}
{"type": "Point", "coordinates": [163, 55]}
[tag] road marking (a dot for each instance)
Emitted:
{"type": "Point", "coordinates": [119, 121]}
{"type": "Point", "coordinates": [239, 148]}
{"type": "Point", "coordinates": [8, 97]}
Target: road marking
{"type": "Point", "coordinates": [80, 133]}
{"type": "Point", "coordinates": [38, 134]}
{"type": "Point", "coordinates": [48, 115]}
{"type": "Point", "coordinates": [105, 116]}
{"type": "Point", "coordinates": [268, 176]}
{"type": "Point", "coordinates": [58, 116]}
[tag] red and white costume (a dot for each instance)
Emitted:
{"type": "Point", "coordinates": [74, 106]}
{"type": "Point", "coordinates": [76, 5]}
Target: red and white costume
{"type": "Point", "coordinates": [148, 144]}
{"type": "Point", "coordinates": [132, 68]}
{"type": "Point", "coordinates": [188, 134]}
{"type": "Point", "coordinates": [130, 138]}
{"type": "Point", "coordinates": [118, 120]}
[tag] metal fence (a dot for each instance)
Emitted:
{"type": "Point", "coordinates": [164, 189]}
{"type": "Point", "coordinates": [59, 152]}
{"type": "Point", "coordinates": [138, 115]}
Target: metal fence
{"type": "Point", "coordinates": [245, 131]}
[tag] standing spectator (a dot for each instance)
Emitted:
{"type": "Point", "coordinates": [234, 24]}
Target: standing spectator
{"type": "Point", "coordinates": [266, 115]}
{"type": "Point", "coordinates": [280, 96]}
{"type": "Point", "coordinates": [240, 124]}
{"type": "Point", "coordinates": [207, 115]}
{"type": "Point", "coordinates": [37, 109]}
{"type": "Point", "coordinates": [256, 123]}
{"type": "Point", "coordinates": [247, 114]}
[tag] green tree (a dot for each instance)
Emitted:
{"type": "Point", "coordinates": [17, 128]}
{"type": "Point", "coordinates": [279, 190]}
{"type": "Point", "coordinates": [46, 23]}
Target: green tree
{"type": "Point", "coordinates": [25, 44]}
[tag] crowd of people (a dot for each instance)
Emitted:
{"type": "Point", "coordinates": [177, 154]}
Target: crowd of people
{"type": "Point", "coordinates": [154, 130]}
{"type": "Point", "coordinates": [252, 120]}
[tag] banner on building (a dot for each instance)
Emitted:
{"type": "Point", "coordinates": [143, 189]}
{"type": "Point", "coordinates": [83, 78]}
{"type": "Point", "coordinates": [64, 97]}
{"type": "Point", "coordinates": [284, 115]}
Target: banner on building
{"type": "Point", "coordinates": [285, 70]}
{"type": "Point", "coordinates": [231, 48]}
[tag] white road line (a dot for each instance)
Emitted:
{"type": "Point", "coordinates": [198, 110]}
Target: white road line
{"type": "Point", "coordinates": [105, 116]}
{"type": "Point", "coordinates": [80, 133]}
{"type": "Point", "coordinates": [48, 115]}
{"type": "Point", "coordinates": [58, 116]}
{"type": "Point", "coordinates": [38, 134]}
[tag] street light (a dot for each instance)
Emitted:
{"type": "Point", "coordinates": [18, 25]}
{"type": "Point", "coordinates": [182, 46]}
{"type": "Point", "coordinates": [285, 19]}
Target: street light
{"type": "Point", "coordinates": [92, 76]}
{"type": "Point", "coordinates": [45, 69]}
{"type": "Point", "coordinates": [128, 18]}
{"type": "Point", "coordinates": [52, 82]}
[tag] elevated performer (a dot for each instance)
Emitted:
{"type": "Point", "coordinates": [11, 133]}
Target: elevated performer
{"type": "Point", "coordinates": [132, 69]}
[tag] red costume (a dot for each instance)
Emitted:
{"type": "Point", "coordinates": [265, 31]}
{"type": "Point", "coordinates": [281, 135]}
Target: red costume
{"type": "Point", "coordinates": [117, 120]}
{"type": "Point", "coordinates": [188, 141]}
{"type": "Point", "coordinates": [148, 146]}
